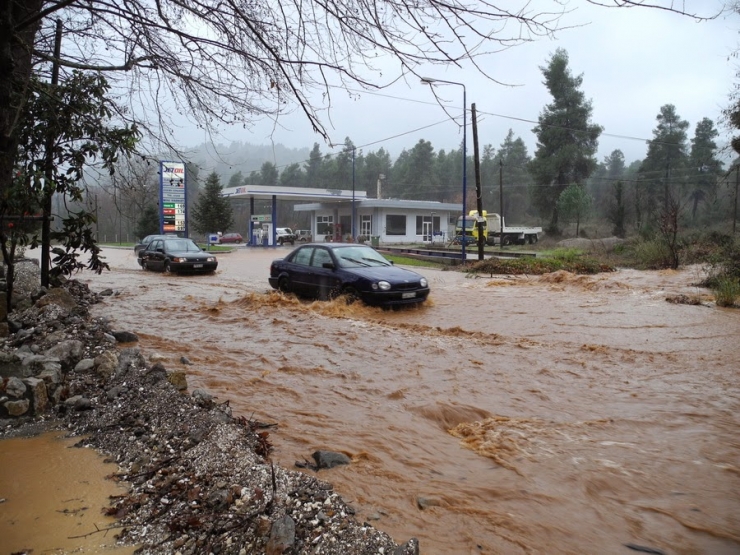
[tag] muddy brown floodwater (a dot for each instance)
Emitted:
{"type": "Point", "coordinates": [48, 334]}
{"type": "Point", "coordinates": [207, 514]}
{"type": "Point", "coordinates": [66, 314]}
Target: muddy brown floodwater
{"type": "Point", "coordinates": [555, 414]}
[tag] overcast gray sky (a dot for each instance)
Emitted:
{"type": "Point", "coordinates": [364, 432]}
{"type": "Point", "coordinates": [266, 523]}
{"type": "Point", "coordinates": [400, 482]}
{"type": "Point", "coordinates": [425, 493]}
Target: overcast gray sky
{"type": "Point", "coordinates": [633, 62]}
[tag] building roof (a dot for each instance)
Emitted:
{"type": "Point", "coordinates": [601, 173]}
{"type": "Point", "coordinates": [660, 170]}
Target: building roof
{"type": "Point", "coordinates": [329, 198]}
{"type": "Point", "coordinates": [428, 205]}
{"type": "Point", "coordinates": [266, 192]}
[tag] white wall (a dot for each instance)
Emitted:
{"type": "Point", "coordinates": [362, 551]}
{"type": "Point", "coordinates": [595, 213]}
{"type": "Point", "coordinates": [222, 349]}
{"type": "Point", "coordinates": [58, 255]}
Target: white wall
{"type": "Point", "coordinates": [379, 219]}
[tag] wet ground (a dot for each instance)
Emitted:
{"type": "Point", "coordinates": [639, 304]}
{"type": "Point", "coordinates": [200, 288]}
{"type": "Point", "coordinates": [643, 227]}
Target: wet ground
{"type": "Point", "coordinates": [555, 414]}
{"type": "Point", "coordinates": [51, 503]}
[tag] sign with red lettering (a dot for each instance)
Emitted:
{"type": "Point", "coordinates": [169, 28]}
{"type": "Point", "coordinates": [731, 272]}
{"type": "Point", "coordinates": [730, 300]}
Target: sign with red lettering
{"type": "Point", "coordinates": [172, 198]}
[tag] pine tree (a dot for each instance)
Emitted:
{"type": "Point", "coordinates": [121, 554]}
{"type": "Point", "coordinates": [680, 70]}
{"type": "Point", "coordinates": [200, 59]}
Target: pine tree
{"type": "Point", "coordinates": [662, 172]}
{"type": "Point", "coordinates": [212, 212]}
{"type": "Point", "coordinates": [566, 139]}
{"type": "Point", "coordinates": [573, 204]}
{"type": "Point", "coordinates": [705, 167]}
{"type": "Point", "coordinates": [416, 177]}
{"type": "Point", "coordinates": [148, 223]}
{"type": "Point", "coordinates": [512, 161]}
{"type": "Point", "coordinates": [618, 212]}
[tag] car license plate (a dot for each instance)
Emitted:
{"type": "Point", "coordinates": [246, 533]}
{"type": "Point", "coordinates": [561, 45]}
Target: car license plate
{"type": "Point", "coordinates": [409, 295]}
{"type": "Point", "coordinates": [197, 265]}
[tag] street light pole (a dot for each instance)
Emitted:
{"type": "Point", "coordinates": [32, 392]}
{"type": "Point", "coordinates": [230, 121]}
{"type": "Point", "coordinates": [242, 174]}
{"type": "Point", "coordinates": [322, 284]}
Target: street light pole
{"type": "Point", "coordinates": [430, 81]}
{"type": "Point", "coordinates": [354, 210]}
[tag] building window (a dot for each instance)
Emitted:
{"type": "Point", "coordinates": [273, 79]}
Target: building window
{"type": "Point", "coordinates": [395, 225]}
{"type": "Point", "coordinates": [421, 220]}
{"type": "Point", "coordinates": [324, 225]}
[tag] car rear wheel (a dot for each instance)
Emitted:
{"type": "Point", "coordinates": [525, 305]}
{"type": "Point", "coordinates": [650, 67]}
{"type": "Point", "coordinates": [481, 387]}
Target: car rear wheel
{"type": "Point", "coordinates": [284, 285]}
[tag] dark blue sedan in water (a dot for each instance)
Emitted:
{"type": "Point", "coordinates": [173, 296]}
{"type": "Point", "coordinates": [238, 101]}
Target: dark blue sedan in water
{"type": "Point", "coordinates": [176, 255]}
{"type": "Point", "coordinates": [327, 270]}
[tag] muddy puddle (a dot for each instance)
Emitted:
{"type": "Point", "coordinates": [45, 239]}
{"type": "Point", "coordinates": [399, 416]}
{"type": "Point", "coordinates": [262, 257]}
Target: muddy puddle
{"type": "Point", "coordinates": [556, 414]}
{"type": "Point", "coordinates": [52, 497]}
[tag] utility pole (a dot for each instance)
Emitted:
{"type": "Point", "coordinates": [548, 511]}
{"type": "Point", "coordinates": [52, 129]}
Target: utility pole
{"type": "Point", "coordinates": [501, 201]}
{"type": "Point", "coordinates": [478, 187]}
{"type": "Point", "coordinates": [737, 181]}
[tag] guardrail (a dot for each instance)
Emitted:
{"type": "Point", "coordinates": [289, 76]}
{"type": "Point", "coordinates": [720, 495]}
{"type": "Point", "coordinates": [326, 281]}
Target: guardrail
{"type": "Point", "coordinates": [451, 255]}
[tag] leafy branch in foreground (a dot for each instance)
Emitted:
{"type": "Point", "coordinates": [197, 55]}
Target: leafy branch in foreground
{"type": "Point", "coordinates": [64, 130]}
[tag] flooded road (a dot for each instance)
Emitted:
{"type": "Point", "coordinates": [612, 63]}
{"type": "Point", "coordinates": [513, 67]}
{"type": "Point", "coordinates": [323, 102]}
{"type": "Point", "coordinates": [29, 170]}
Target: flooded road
{"type": "Point", "coordinates": [554, 414]}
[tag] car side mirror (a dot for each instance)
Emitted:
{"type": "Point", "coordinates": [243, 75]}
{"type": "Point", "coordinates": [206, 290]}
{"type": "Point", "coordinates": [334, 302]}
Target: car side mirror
{"type": "Point", "coordinates": [160, 250]}
{"type": "Point", "coordinates": [328, 265]}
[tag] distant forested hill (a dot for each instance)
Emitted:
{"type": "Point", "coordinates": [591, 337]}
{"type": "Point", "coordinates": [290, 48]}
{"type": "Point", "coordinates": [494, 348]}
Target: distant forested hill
{"type": "Point", "coordinates": [226, 160]}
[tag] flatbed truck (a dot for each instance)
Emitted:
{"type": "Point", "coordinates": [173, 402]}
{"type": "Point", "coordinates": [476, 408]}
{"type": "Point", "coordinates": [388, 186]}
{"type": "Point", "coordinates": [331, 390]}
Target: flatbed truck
{"type": "Point", "coordinates": [495, 230]}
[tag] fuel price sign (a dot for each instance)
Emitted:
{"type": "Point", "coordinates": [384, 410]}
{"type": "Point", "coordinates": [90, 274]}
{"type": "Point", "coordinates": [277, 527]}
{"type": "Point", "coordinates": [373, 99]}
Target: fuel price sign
{"type": "Point", "coordinates": [172, 198]}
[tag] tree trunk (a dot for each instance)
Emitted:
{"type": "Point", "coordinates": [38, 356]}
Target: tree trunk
{"type": "Point", "coordinates": [15, 73]}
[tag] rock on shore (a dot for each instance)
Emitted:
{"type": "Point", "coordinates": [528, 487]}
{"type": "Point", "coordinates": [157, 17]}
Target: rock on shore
{"type": "Point", "coordinates": [199, 480]}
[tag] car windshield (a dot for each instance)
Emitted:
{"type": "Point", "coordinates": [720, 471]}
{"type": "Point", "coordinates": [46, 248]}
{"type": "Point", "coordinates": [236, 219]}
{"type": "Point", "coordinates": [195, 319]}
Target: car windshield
{"type": "Point", "coordinates": [353, 257]}
{"type": "Point", "coordinates": [182, 245]}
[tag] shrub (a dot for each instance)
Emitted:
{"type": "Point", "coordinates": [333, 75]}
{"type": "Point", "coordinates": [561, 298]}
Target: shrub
{"type": "Point", "coordinates": [567, 255]}
{"type": "Point", "coordinates": [726, 291]}
{"type": "Point", "coordinates": [653, 254]}
{"type": "Point", "coordinates": [538, 266]}
{"type": "Point", "coordinates": [724, 268]}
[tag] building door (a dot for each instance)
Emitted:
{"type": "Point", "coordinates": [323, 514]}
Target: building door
{"type": "Point", "coordinates": [426, 232]}
{"type": "Point", "coordinates": [345, 228]}
{"type": "Point", "coordinates": [366, 225]}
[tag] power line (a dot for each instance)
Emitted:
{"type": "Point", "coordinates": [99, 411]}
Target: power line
{"type": "Point", "coordinates": [517, 118]}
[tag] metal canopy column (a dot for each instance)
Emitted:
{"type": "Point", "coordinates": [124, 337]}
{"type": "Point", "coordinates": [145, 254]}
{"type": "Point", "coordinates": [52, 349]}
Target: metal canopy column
{"type": "Point", "coordinates": [250, 241]}
{"type": "Point", "coordinates": [274, 220]}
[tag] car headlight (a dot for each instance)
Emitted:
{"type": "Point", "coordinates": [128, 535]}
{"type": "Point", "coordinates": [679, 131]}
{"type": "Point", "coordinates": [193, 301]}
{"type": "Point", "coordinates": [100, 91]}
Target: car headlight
{"type": "Point", "coordinates": [178, 259]}
{"type": "Point", "coordinates": [211, 259]}
{"type": "Point", "coordinates": [382, 285]}
{"type": "Point", "coordinates": [423, 282]}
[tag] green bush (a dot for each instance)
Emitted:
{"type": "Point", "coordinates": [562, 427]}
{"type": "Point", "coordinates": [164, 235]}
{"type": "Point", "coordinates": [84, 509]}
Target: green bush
{"type": "Point", "coordinates": [568, 256]}
{"type": "Point", "coordinates": [538, 266]}
{"type": "Point", "coordinates": [726, 290]}
{"type": "Point", "coordinates": [724, 267]}
{"type": "Point", "coordinates": [652, 254]}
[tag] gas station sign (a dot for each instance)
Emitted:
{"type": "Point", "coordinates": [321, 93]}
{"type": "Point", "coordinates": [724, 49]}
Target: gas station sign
{"type": "Point", "coordinates": [172, 198]}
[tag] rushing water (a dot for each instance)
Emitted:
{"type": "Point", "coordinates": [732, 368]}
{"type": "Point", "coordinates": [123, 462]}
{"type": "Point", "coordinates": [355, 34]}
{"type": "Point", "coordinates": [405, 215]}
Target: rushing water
{"type": "Point", "coordinates": [553, 414]}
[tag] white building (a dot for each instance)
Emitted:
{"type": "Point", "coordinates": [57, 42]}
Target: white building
{"type": "Point", "coordinates": [336, 212]}
{"type": "Point", "coordinates": [386, 221]}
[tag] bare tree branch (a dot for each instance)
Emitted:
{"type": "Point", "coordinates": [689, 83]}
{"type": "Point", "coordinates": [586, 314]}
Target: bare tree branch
{"type": "Point", "coordinates": [675, 6]}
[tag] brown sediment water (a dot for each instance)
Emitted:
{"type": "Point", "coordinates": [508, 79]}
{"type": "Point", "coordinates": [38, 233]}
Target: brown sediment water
{"type": "Point", "coordinates": [553, 414]}
{"type": "Point", "coordinates": [53, 495]}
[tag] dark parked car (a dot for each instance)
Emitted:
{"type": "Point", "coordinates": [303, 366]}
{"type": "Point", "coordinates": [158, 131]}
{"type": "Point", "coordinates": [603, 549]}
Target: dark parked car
{"type": "Point", "coordinates": [145, 241]}
{"type": "Point", "coordinates": [172, 254]}
{"type": "Point", "coordinates": [324, 271]}
{"type": "Point", "coordinates": [231, 238]}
